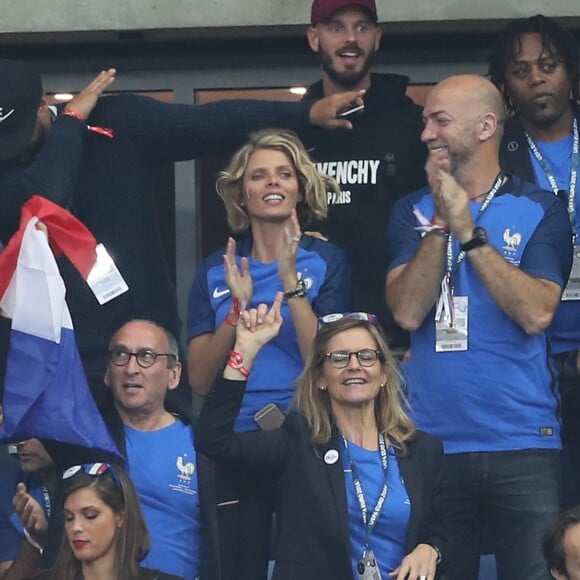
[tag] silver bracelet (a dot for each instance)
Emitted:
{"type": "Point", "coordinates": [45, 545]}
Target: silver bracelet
{"type": "Point", "coordinates": [32, 541]}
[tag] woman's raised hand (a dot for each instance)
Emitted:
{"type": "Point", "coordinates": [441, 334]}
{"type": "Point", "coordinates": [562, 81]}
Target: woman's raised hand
{"type": "Point", "coordinates": [287, 259]}
{"type": "Point", "coordinates": [258, 326]}
{"type": "Point", "coordinates": [239, 282]}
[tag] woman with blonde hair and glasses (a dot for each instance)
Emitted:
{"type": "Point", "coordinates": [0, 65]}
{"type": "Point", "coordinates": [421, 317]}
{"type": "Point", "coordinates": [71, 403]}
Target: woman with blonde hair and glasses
{"type": "Point", "coordinates": [358, 484]}
{"type": "Point", "coordinates": [105, 533]}
{"type": "Point", "coordinates": [271, 191]}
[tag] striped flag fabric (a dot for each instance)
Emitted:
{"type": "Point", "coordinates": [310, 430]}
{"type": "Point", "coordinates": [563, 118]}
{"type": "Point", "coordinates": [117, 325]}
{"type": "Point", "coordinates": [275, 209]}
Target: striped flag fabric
{"type": "Point", "coordinates": [46, 393]}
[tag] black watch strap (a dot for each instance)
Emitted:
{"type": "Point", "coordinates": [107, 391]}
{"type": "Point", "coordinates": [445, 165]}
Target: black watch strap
{"type": "Point", "coordinates": [478, 239]}
{"type": "Point", "coordinates": [299, 292]}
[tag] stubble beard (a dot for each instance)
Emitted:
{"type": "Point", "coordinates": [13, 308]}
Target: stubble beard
{"type": "Point", "coordinates": [347, 79]}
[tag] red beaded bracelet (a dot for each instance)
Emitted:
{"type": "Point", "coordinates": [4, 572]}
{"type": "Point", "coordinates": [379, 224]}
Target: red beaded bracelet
{"type": "Point", "coordinates": [236, 362]}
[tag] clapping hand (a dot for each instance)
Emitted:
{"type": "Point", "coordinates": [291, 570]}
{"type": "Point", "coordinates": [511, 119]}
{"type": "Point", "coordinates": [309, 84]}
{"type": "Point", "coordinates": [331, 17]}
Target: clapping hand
{"type": "Point", "coordinates": [239, 282]}
{"type": "Point", "coordinates": [451, 200]}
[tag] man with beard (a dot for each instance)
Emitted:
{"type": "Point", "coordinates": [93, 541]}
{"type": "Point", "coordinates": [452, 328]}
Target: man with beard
{"type": "Point", "coordinates": [536, 66]}
{"type": "Point", "coordinates": [479, 260]}
{"type": "Point", "coordinates": [375, 163]}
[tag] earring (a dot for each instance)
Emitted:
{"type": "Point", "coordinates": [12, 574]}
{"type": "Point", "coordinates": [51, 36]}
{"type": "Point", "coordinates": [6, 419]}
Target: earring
{"type": "Point", "coordinates": [322, 388]}
{"type": "Point", "coordinates": [382, 386]}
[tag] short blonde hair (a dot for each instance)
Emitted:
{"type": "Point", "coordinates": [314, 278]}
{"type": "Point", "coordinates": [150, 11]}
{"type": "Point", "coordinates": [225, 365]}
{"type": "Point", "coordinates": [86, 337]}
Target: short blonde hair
{"type": "Point", "coordinates": [314, 403]}
{"type": "Point", "coordinates": [313, 184]}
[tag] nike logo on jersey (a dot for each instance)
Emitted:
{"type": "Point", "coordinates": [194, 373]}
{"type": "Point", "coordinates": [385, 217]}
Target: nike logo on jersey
{"type": "Point", "coordinates": [217, 293]}
{"type": "Point", "coordinates": [4, 117]}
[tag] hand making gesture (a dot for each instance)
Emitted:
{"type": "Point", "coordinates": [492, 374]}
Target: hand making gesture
{"type": "Point", "coordinates": [239, 280]}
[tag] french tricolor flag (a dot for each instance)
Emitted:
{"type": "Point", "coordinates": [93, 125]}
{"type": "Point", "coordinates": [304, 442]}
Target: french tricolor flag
{"type": "Point", "coordinates": [46, 393]}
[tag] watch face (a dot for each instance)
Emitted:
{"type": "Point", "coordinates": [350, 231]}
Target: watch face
{"type": "Point", "coordinates": [480, 235]}
{"type": "Point", "coordinates": [479, 239]}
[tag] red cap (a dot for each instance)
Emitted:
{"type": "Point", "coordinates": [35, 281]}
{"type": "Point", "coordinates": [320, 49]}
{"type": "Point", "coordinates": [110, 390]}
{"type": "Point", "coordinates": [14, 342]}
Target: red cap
{"type": "Point", "coordinates": [322, 10]}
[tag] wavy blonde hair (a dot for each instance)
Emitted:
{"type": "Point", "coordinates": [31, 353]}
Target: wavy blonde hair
{"type": "Point", "coordinates": [314, 403]}
{"type": "Point", "coordinates": [314, 185]}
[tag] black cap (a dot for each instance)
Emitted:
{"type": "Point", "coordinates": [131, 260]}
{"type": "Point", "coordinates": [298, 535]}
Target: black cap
{"type": "Point", "coordinates": [20, 97]}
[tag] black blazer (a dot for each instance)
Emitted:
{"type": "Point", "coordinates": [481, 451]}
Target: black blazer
{"type": "Point", "coordinates": [313, 533]}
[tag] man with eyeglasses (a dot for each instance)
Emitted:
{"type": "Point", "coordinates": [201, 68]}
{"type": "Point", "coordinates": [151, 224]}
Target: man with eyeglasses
{"type": "Point", "coordinates": [143, 366]}
{"type": "Point", "coordinates": [478, 265]}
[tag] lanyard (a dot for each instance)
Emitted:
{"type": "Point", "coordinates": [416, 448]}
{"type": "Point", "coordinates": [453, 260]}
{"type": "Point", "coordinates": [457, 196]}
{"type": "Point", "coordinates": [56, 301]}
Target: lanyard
{"type": "Point", "coordinates": [369, 523]}
{"type": "Point", "coordinates": [47, 500]}
{"type": "Point", "coordinates": [449, 267]}
{"type": "Point", "coordinates": [573, 170]}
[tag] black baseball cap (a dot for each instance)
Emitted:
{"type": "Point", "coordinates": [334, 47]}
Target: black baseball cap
{"type": "Point", "coordinates": [20, 96]}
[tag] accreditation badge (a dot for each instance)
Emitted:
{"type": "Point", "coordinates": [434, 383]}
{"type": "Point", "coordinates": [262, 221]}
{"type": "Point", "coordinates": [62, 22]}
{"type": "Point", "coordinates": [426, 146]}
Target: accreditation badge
{"type": "Point", "coordinates": [451, 335]}
{"type": "Point", "coordinates": [572, 290]}
{"type": "Point", "coordinates": [367, 568]}
{"type": "Point", "coordinates": [104, 279]}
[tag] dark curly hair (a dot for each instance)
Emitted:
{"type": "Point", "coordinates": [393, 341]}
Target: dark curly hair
{"type": "Point", "coordinates": [553, 541]}
{"type": "Point", "coordinates": [555, 40]}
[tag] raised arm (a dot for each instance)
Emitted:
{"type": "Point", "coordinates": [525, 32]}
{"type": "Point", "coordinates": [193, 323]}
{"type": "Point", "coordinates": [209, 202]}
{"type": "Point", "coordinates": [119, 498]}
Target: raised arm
{"type": "Point", "coordinates": [53, 171]}
{"type": "Point", "coordinates": [413, 288]}
{"type": "Point", "coordinates": [260, 451]}
{"type": "Point", "coordinates": [207, 352]}
{"type": "Point", "coordinates": [303, 316]}
{"type": "Point", "coordinates": [174, 132]}
{"type": "Point", "coordinates": [530, 301]}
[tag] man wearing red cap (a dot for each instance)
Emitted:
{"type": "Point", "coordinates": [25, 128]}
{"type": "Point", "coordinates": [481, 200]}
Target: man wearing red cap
{"type": "Point", "coordinates": [377, 162]}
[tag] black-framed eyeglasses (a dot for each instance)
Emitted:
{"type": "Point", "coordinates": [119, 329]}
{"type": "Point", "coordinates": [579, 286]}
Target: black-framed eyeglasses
{"type": "Point", "coordinates": [93, 469]}
{"type": "Point", "coordinates": [145, 357]}
{"type": "Point", "coordinates": [330, 318]}
{"type": "Point", "coordinates": [366, 357]}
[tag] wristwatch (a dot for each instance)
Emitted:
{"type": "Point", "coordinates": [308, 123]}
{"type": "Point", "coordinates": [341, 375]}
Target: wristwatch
{"type": "Point", "coordinates": [478, 239]}
{"type": "Point", "coordinates": [299, 292]}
